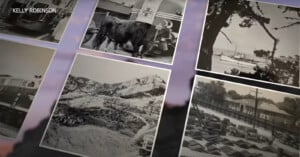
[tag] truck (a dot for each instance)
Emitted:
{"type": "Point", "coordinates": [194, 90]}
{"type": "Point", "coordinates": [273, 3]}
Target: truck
{"type": "Point", "coordinates": [16, 95]}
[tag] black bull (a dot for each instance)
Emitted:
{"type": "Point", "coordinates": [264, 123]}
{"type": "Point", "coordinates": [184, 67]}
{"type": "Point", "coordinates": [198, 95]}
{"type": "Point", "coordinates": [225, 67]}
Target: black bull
{"type": "Point", "coordinates": [122, 31]}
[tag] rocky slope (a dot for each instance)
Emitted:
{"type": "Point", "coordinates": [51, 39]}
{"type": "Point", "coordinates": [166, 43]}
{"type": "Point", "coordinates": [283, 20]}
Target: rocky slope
{"type": "Point", "coordinates": [139, 87]}
{"type": "Point", "coordinates": [116, 112]}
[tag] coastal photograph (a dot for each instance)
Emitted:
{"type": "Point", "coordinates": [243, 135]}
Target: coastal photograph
{"type": "Point", "coordinates": [145, 29]}
{"type": "Point", "coordinates": [232, 120]}
{"type": "Point", "coordinates": [255, 40]}
{"type": "Point", "coordinates": [107, 108]}
{"type": "Point", "coordinates": [22, 68]}
{"type": "Point", "coordinates": [39, 19]}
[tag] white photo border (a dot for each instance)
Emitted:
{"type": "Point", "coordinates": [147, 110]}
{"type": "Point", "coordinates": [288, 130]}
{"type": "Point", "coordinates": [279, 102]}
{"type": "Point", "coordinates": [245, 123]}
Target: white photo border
{"type": "Point", "coordinates": [137, 58]}
{"type": "Point", "coordinates": [224, 81]}
{"type": "Point", "coordinates": [234, 76]}
{"type": "Point", "coordinates": [39, 40]}
{"type": "Point", "coordinates": [103, 58]}
{"type": "Point", "coordinates": [54, 52]}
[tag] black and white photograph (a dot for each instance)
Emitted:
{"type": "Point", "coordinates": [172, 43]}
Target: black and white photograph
{"type": "Point", "coordinates": [22, 68]}
{"type": "Point", "coordinates": [233, 120]}
{"type": "Point", "coordinates": [107, 108]}
{"type": "Point", "coordinates": [143, 29]}
{"type": "Point", "coordinates": [253, 40]}
{"type": "Point", "coordinates": [38, 19]}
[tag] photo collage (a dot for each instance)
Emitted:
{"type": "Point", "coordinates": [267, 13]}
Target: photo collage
{"type": "Point", "coordinates": [149, 78]}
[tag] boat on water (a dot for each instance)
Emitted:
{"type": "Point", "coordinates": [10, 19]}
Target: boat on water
{"type": "Point", "coordinates": [239, 56]}
{"type": "Point", "coordinates": [236, 61]}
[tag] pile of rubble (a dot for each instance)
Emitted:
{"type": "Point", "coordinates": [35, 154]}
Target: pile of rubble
{"type": "Point", "coordinates": [209, 134]}
{"type": "Point", "coordinates": [112, 119]}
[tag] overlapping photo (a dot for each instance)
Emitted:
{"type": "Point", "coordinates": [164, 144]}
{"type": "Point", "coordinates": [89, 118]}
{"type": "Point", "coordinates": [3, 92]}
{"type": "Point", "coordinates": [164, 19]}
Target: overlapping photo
{"type": "Point", "coordinates": [107, 108]}
{"type": "Point", "coordinates": [22, 68]}
{"type": "Point", "coordinates": [147, 29]}
{"type": "Point", "coordinates": [232, 120]}
{"type": "Point", "coordinates": [250, 39]}
{"type": "Point", "coordinates": [39, 19]}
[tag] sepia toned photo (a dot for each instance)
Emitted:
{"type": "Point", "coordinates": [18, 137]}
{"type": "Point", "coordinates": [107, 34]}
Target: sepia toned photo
{"type": "Point", "coordinates": [252, 40]}
{"type": "Point", "coordinates": [107, 108]}
{"type": "Point", "coordinates": [232, 120]}
{"type": "Point", "coordinates": [22, 68]}
{"type": "Point", "coordinates": [145, 29]}
{"type": "Point", "coordinates": [39, 19]}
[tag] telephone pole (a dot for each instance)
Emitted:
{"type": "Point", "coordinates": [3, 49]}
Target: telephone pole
{"type": "Point", "coordinates": [255, 108]}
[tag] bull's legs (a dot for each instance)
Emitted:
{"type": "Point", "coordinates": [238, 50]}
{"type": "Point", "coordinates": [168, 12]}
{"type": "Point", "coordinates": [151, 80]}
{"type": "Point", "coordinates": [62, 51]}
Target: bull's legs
{"type": "Point", "coordinates": [140, 51]}
{"type": "Point", "coordinates": [115, 47]}
{"type": "Point", "coordinates": [121, 45]}
{"type": "Point", "coordinates": [98, 42]}
{"type": "Point", "coordinates": [135, 52]}
{"type": "Point", "coordinates": [99, 39]}
{"type": "Point", "coordinates": [107, 44]}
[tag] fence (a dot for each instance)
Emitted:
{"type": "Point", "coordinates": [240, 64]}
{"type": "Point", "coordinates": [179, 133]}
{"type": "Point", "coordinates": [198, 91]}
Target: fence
{"type": "Point", "coordinates": [250, 119]}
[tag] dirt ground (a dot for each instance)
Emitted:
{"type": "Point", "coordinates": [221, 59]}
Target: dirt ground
{"type": "Point", "coordinates": [90, 140]}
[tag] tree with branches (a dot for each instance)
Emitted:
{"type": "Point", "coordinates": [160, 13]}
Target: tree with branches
{"type": "Point", "coordinates": [262, 53]}
{"type": "Point", "coordinates": [288, 70]}
{"type": "Point", "coordinates": [293, 21]}
{"type": "Point", "coordinates": [208, 92]}
{"type": "Point", "coordinates": [292, 107]}
{"type": "Point", "coordinates": [219, 16]}
{"type": "Point", "coordinates": [285, 68]}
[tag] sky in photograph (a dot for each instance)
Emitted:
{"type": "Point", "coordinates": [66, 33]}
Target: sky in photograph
{"type": "Point", "coordinates": [108, 71]}
{"type": "Point", "coordinates": [23, 61]}
{"type": "Point", "coordinates": [244, 90]}
{"type": "Point", "coordinates": [246, 40]}
{"type": "Point", "coordinates": [132, 2]}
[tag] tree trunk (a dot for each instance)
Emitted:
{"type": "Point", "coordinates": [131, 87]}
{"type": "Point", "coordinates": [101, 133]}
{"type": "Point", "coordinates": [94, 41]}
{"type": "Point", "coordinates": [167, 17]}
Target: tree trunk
{"type": "Point", "coordinates": [296, 79]}
{"type": "Point", "coordinates": [206, 50]}
{"type": "Point", "coordinates": [213, 25]}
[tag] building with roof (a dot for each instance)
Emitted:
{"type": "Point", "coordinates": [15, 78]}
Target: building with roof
{"type": "Point", "coordinates": [161, 10]}
{"type": "Point", "coordinates": [265, 111]}
{"type": "Point", "coordinates": [241, 105]}
{"type": "Point", "coordinates": [171, 10]}
{"type": "Point", "coordinates": [114, 9]}
{"type": "Point", "coordinates": [270, 112]}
